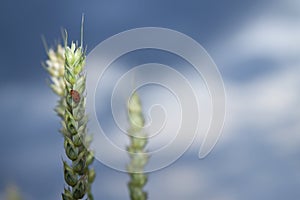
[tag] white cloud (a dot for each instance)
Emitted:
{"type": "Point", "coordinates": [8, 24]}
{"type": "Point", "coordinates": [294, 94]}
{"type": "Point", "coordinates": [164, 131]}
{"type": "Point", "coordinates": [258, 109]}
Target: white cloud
{"type": "Point", "coordinates": [265, 100]}
{"type": "Point", "coordinates": [269, 102]}
{"type": "Point", "coordinates": [178, 182]}
{"type": "Point", "coordinates": [270, 34]}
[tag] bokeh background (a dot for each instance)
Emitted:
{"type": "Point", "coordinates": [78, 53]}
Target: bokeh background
{"type": "Point", "coordinates": [256, 46]}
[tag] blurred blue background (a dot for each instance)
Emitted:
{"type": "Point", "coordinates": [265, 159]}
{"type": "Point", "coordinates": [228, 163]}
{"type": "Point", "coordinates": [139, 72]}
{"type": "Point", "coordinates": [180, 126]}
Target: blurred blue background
{"type": "Point", "coordinates": [256, 46]}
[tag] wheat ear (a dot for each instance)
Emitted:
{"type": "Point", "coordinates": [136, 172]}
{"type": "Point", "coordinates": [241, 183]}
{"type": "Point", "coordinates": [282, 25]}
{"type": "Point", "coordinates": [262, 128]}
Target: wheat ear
{"type": "Point", "coordinates": [136, 149]}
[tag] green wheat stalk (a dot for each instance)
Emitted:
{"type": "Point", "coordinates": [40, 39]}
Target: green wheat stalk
{"type": "Point", "coordinates": [136, 149]}
{"type": "Point", "coordinates": [65, 66]}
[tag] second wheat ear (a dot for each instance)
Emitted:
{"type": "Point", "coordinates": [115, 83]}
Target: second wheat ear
{"type": "Point", "coordinates": [136, 149]}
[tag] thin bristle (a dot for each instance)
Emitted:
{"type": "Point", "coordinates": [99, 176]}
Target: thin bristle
{"type": "Point", "coordinates": [81, 37]}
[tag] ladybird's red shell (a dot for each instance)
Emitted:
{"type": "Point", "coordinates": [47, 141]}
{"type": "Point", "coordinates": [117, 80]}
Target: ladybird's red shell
{"type": "Point", "coordinates": [75, 96]}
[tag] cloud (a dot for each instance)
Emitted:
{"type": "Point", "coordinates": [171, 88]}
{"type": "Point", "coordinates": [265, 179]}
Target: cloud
{"type": "Point", "coordinates": [271, 33]}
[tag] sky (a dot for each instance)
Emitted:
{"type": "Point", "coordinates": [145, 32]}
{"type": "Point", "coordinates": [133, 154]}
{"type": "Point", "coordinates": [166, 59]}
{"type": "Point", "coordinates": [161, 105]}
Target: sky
{"type": "Point", "coordinates": [256, 47]}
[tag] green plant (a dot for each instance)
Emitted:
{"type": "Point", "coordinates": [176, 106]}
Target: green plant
{"type": "Point", "coordinates": [13, 192]}
{"type": "Point", "coordinates": [136, 149]}
{"type": "Point", "coordinates": [65, 66]}
{"type": "Point", "coordinates": [66, 69]}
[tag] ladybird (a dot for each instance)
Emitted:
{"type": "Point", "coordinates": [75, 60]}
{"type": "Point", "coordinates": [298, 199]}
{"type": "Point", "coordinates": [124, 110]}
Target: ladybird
{"type": "Point", "coordinates": [75, 96]}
